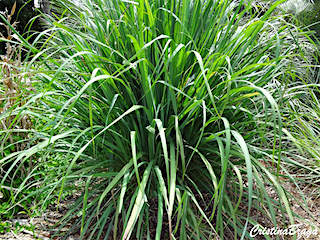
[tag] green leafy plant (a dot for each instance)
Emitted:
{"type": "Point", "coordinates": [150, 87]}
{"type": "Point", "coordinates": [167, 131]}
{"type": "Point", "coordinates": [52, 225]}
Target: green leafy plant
{"type": "Point", "coordinates": [180, 111]}
{"type": "Point", "coordinates": [5, 227]}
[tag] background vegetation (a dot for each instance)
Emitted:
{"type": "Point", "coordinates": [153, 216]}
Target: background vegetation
{"type": "Point", "coordinates": [25, 16]}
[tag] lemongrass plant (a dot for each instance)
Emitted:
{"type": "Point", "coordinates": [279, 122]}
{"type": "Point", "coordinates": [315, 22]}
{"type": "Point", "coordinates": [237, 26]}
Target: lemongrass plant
{"type": "Point", "coordinates": [171, 116]}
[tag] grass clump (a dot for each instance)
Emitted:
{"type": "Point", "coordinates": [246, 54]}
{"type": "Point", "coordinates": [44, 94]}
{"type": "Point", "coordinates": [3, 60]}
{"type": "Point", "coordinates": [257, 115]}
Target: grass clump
{"type": "Point", "coordinates": [179, 111]}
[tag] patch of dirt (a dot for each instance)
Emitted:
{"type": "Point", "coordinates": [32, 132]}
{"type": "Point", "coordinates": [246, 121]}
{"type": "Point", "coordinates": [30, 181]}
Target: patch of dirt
{"type": "Point", "coordinates": [311, 213]}
{"type": "Point", "coordinates": [44, 224]}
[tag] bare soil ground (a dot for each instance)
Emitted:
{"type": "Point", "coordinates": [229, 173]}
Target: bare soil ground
{"type": "Point", "coordinates": [312, 215]}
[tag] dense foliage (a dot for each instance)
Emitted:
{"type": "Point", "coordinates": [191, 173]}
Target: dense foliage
{"type": "Point", "coordinates": [306, 12]}
{"type": "Point", "coordinates": [185, 109]}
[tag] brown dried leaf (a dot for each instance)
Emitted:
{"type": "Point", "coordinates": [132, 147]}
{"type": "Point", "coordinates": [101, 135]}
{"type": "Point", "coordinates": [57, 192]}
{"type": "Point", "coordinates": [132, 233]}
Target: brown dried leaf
{"type": "Point", "coordinates": [13, 9]}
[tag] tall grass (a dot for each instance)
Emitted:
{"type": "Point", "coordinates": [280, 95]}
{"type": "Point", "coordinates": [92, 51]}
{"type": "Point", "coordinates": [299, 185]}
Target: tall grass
{"type": "Point", "coordinates": [179, 111]}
